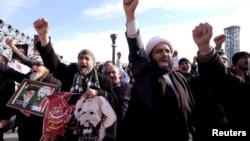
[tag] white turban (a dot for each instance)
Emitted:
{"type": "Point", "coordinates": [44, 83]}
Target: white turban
{"type": "Point", "coordinates": [155, 41]}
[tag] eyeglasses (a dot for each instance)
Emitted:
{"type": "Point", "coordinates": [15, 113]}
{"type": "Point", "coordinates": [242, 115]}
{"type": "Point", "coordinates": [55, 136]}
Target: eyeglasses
{"type": "Point", "coordinates": [38, 64]}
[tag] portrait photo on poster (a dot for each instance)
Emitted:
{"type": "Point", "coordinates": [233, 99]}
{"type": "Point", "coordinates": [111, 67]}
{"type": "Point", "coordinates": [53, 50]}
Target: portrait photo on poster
{"type": "Point", "coordinates": [31, 96]}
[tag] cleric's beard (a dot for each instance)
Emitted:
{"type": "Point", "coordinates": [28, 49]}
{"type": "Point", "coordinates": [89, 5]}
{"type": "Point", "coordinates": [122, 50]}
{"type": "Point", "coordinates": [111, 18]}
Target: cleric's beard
{"type": "Point", "coordinates": [35, 76]}
{"type": "Point", "coordinates": [162, 70]}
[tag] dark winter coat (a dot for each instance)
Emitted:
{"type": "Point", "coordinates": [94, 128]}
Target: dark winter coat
{"type": "Point", "coordinates": [153, 112]}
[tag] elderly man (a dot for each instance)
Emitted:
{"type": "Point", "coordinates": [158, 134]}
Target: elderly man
{"type": "Point", "coordinates": [80, 77]}
{"type": "Point", "coordinates": [161, 101]}
{"type": "Point", "coordinates": [30, 126]}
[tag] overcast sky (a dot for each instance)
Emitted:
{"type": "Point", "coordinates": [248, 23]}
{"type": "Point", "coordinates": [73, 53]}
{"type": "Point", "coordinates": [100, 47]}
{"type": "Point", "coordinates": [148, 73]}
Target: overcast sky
{"type": "Point", "coordinates": [79, 24]}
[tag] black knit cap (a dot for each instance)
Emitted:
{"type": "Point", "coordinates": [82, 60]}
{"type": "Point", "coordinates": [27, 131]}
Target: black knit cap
{"type": "Point", "coordinates": [184, 60]}
{"type": "Point", "coordinates": [238, 55]}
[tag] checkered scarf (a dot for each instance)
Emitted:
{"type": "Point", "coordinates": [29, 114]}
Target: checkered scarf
{"type": "Point", "coordinates": [80, 84]}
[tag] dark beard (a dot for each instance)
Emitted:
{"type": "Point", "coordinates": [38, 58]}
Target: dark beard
{"type": "Point", "coordinates": [159, 70]}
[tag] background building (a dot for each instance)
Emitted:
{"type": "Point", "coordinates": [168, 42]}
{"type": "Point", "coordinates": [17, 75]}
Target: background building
{"type": "Point", "coordinates": [19, 39]}
{"type": "Point", "coordinates": [232, 43]}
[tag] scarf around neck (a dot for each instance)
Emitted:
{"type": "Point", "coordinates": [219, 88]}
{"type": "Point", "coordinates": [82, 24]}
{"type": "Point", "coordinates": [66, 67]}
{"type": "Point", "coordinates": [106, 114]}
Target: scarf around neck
{"type": "Point", "coordinates": [81, 84]}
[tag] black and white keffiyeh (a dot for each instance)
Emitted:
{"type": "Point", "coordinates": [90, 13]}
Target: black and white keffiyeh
{"type": "Point", "coordinates": [80, 84]}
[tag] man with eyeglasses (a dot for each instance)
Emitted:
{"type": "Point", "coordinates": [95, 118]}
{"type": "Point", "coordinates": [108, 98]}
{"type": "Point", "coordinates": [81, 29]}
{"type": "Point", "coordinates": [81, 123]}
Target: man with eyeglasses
{"type": "Point", "coordinates": [30, 126]}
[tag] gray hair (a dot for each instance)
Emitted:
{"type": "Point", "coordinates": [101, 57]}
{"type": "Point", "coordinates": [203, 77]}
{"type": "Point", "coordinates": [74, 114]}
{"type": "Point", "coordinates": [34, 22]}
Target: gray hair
{"type": "Point", "coordinates": [86, 51]}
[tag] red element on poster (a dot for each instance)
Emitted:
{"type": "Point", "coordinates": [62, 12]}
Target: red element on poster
{"type": "Point", "coordinates": [57, 115]}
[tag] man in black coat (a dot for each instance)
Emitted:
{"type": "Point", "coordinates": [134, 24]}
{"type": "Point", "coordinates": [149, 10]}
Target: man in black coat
{"type": "Point", "coordinates": [7, 88]}
{"type": "Point", "coordinates": [232, 92]}
{"type": "Point", "coordinates": [80, 77]}
{"type": "Point", "coordinates": [122, 89]}
{"type": "Point", "coordinates": [30, 126]}
{"type": "Point", "coordinates": [161, 101]}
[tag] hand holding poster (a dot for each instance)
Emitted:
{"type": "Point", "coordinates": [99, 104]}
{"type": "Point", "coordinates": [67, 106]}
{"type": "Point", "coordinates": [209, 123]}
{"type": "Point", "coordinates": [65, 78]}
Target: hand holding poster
{"type": "Point", "coordinates": [31, 96]}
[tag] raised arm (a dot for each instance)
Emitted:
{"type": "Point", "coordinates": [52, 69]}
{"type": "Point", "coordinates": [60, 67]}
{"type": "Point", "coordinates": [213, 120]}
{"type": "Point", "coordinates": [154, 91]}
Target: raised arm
{"type": "Point", "coordinates": [44, 46]}
{"type": "Point", "coordinates": [23, 58]}
{"type": "Point", "coordinates": [42, 28]}
{"type": "Point", "coordinates": [210, 64]}
{"type": "Point", "coordinates": [137, 56]}
{"type": "Point", "coordinates": [219, 40]}
{"type": "Point", "coordinates": [129, 7]}
{"type": "Point", "coordinates": [202, 35]}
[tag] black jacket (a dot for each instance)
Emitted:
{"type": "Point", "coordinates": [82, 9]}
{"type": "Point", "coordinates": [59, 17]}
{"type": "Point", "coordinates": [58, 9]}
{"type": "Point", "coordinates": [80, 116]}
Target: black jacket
{"type": "Point", "coordinates": [232, 92]}
{"type": "Point", "coordinates": [29, 128]}
{"type": "Point", "coordinates": [66, 74]}
{"type": "Point", "coordinates": [7, 89]}
{"type": "Point", "coordinates": [149, 115]}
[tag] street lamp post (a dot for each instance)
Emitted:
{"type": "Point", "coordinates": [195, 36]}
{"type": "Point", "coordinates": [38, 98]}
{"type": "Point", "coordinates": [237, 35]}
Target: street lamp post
{"type": "Point", "coordinates": [113, 38]}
